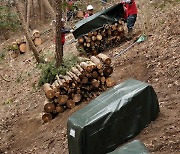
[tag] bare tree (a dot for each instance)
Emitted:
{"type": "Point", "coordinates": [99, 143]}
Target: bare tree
{"type": "Point", "coordinates": [25, 28]}
{"type": "Point", "coordinates": [59, 46]}
{"type": "Point", "coordinates": [49, 8]}
{"type": "Point", "coordinates": [28, 12]}
{"type": "Point", "coordinates": [42, 13]}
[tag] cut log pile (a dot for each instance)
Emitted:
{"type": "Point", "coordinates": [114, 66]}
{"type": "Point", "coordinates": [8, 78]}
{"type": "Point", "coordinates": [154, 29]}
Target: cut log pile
{"type": "Point", "coordinates": [103, 38]}
{"type": "Point", "coordinates": [83, 82]}
{"type": "Point", "coordinates": [20, 44]}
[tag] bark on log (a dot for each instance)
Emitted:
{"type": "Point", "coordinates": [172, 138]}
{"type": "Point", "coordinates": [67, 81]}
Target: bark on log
{"type": "Point", "coordinates": [59, 81]}
{"type": "Point", "coordinates": [104, 58]}
{"type": "Point", "coordinates": [48, 90]}
{"type": "Point", "coordinates": [76, 71]}
{"type": "Point", "coordinates": [96, 61]}
{"type": "Point", "coordinates": [85, 66]}
{"type": "Point", "coordinates": [72, 75]}
{"type": "Point", "coordinates": [35, 33]}
{"type": "Point", "coordinates": [54, 87]}
{"type": "Point", "coordinates": [80, 68]}
{"type": "Point", "coordinates": [57, 85]}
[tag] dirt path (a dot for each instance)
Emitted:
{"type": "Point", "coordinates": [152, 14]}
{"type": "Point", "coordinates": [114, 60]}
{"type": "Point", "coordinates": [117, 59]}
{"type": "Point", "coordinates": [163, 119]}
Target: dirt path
{"type": "Point", "coordinates": [155, 61]}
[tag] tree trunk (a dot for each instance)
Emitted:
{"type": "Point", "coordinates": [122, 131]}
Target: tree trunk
{"type": "Point", "coordinates": [59, 46]}
{"type": "Point", "coordinates": [49, 8]}
{"type": "Point", "coordinates": [24, 26]}
{"type": "Point", "coordinates": [42, 12]}
{"type": "Point", "coordinates": [32, 8]}
{"type": "Point", "coordinates": [28, 20]}
{"type": "Point", "coordinates": [28, 12]}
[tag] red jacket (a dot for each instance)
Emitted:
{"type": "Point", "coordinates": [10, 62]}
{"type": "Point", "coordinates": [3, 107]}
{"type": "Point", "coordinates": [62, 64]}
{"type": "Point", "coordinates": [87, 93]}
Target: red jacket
{"type": "Point", "coordinates": [62, 38]}
{"type": "Point", "coordinates": [69, 6]}
{"type": "Point", "coordinates": [63, 33]}
{"type": "Point", "coordinates": [86, 15]}
{"type": "Point", "coordinates": [130, 8]}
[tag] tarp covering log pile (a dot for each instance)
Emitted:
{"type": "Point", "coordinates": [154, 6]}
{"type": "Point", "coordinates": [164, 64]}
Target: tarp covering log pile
{"type": "Point", "coordinates": [112, 118]}
{"type": "Point", "coordinates": [98, 20]}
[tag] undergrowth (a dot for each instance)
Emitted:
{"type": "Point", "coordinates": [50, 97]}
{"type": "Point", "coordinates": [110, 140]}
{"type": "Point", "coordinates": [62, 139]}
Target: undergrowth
{"type": "Point", "coordinates": [2, 54]}
{"type": "Point", "coordinates": [49, 70]}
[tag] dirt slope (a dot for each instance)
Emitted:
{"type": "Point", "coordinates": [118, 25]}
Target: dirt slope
{"type": "Point", "coordinates": [155, 61]}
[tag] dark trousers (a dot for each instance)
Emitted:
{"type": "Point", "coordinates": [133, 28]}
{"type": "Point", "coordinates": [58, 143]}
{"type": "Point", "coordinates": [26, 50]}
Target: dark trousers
{"type": "Point", "coordinates": [131, 21]}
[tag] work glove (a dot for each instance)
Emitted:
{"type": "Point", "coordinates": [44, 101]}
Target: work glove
{"type": "Point", "coordinates": [72, 30]}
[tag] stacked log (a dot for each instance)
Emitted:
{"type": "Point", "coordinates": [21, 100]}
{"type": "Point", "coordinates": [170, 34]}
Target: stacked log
{"type": "Point", "coordinates": [102, 38]}
{"type": "Point", "coordinates": [83, 82]}
{"type": "Point", "coordinates": [36, 38]}
{"type": "Point", "coordinates": [20, 44]}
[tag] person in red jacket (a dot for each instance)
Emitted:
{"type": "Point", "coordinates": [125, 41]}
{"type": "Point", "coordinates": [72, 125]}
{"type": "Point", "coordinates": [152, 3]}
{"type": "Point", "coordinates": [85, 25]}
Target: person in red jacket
{"type": "Point", "coordinates": [89, 11]}
{"type": "Point", "coordinates": [130, 15]}
{"type": "Point", "coordinates": [63, 30]}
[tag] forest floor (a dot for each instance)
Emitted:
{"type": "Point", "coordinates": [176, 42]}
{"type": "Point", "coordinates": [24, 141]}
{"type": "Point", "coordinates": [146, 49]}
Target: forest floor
{"type": "Point", "coordinates": [156, 61]}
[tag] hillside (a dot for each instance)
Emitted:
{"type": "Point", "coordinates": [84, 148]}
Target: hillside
{"type": "Point", "coordinates": [155, 61]}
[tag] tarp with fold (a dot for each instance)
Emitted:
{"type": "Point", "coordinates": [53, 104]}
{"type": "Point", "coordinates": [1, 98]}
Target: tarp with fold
{"type": "Point", "coordinates": [106, 16]}
{"type": "Point", "coordinates": [112, 118]}
{"type": "Point", "coordinates": [134, 147]}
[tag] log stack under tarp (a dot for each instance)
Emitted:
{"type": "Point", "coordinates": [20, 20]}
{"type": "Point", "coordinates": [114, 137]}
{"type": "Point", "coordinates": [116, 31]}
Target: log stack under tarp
{"type": "Point", "coordinates": [103, 38]}
{"type": "Point", "coordinates": [83, 82]}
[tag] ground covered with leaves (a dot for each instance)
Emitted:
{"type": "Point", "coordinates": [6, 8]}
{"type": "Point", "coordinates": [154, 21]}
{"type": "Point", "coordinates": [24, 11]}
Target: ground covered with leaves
{"type": "Point", "coordinates": [155, 61]}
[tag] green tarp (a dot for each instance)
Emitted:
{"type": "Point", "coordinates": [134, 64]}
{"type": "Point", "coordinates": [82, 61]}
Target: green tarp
{"type": "Point", "coordinates": [134, 147]}
{"type": "Point", "coordinates": [112, 118]}
{"type": "Point", "coordinates": [107, 16]}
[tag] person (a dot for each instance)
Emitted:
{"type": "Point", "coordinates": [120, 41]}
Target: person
{"type": "Point", "coordinates": [71, 9]}
{"type": "Point", "coordinates": [63, 30]}
{"type": "Point", "coordinates": [130, 9]}
{"type": "Point", "coordinates": [89, 11]}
